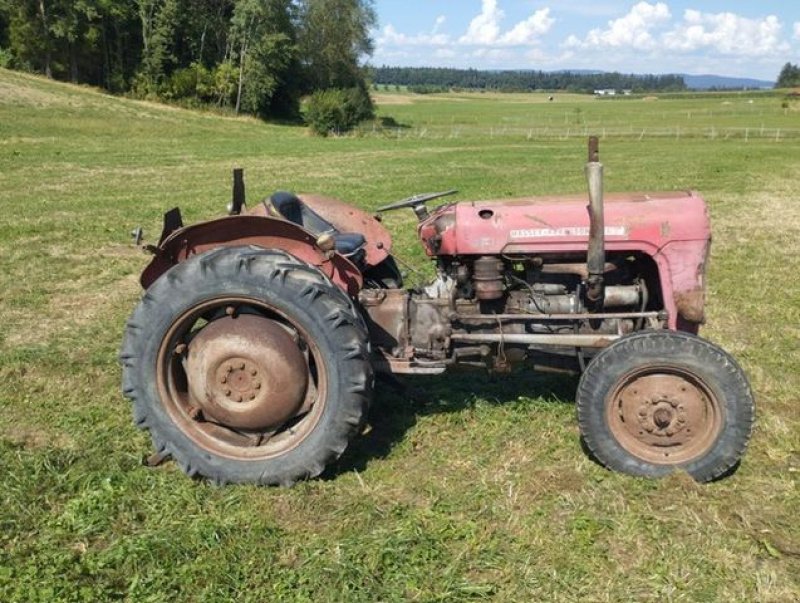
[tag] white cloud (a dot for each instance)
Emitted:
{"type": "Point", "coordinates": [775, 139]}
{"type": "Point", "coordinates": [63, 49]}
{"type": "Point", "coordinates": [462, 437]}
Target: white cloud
{"type": "Point", "coordinates": [634, 30]}
{"type": "Point", "coordinates": [797, 30]}
{"type": "Point", "coordinates": [389, 36]}
{"type": "Point", "coordinates": [726, 33]}
{"type": "Point", "coordinates": [528, 32]}
{"type": "Point", "coordinates": [485, 28]}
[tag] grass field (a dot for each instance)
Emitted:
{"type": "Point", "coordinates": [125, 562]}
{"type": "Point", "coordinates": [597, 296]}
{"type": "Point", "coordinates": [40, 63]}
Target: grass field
{"type": "Point", "coordinates": [483, 492]}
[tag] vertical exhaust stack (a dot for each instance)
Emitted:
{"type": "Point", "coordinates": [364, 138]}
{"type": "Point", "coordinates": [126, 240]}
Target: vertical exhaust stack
{"type": "Point", "coordinates": [596, 253]}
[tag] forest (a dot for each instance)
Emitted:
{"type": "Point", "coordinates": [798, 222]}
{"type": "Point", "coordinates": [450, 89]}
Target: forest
{"type": "Point", "coordinates": [435, 79]}
{"type": "Point", "coordinates": [252, 56]}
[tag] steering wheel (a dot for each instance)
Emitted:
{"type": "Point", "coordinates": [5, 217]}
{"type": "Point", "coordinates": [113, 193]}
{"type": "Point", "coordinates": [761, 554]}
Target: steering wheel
{"type": "Point", "coordinates": [416, 200]}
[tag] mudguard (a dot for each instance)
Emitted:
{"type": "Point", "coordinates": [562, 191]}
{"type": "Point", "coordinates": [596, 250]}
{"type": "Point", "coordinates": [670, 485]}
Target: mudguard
{"type": "Point", "coordinates": [261, 231]}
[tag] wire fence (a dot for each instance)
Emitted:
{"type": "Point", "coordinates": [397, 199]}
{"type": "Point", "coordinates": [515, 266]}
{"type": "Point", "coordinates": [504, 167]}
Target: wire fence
{"type": "Point", "coordinates": [745, 134]}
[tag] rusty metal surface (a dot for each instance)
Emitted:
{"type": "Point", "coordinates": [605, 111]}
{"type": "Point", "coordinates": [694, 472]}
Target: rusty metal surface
{"type": "Point", "coordinates": [691, 305]}
{"type": "Point", "coordinates": [572, 317]}
{"type": "Point", "coordinates": [387, 317]}
{"type": "Point", "coordinates": [384, 363]}
{"type": "Point", "coordinates": [246, 372]}
{"type": "Point", "coordinates": [269, 233]}
{"type": "Point", "coordinates": [488, 278]}
{"type": "Point", "coordinates": [664, 415]}
{"type": "Point", "coordinates": [224, 439]}
{"type": "Point", "coordinates": [345, 218]}
{"type": "Point", "coordinates": [580, 341]}
{"type": "Point", "coordinates": [578, 269]}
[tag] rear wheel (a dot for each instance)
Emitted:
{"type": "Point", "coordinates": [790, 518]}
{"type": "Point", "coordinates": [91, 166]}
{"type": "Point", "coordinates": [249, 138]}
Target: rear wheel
{"type": "Point", "coordinates": [247, 365]}
{"type": "Point", "coordinates": [657, 401]}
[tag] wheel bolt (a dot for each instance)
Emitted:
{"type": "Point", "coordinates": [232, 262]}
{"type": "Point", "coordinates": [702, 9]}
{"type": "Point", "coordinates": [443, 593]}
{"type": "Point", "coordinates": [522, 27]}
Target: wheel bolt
{"type": "Point", "coordinates": [227, 392]}
{"type": "Point", "coordinates": [241, 366]}
{"type": "Point", "coordinates": [252, 397]}
{"type": "Point", "coordinates": [257, 385]}
{"type": "Point", "coordinates": [223, 379]}
{"type": "Point", "coordinates": [254, 372]}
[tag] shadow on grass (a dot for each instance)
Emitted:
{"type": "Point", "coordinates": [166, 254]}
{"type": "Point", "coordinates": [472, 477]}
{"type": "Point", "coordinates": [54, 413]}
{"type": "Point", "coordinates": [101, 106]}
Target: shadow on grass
{"type": "Point", "coordinates": [396, 409]}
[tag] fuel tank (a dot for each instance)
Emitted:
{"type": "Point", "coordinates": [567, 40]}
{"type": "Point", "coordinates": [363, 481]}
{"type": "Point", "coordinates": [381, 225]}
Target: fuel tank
{"type": "Point", "coordinates": [558, 225]}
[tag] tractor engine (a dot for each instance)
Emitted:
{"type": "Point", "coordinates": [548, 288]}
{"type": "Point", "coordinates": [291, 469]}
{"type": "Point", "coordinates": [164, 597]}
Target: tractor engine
{"type": "Point", "coordinates": [494, 311]}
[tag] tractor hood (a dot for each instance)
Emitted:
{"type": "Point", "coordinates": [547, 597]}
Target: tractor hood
{"type": "Point", "coordinates": [558, 225]}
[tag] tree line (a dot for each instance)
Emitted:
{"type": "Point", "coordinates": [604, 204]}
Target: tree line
{"type": "Point", "coordinates": [254, 56]}
{"type": "Point", "coordinates": [428, 78]}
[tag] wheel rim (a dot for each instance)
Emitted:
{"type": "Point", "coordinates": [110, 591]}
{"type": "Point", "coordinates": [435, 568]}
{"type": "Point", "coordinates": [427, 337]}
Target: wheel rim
{"type": "Point", "coordinates": [241, 379]}
{"type": "Point", "coordinates": [664, 415]}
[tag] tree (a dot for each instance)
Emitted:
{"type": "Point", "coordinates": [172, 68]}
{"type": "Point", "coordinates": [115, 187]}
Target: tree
{"type": "Point", "coordinates": [158, 23]}
{"type": "Point", "coordinates": [335, 35]}
{"type": "Point", "coordinates": [789, 76]}
{"type": "Point", "coordinates": [262, 31]}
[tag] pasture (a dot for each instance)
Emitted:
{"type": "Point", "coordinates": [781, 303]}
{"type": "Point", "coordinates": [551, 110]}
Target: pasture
{"type": "Point", "coordinates": [481, 491]}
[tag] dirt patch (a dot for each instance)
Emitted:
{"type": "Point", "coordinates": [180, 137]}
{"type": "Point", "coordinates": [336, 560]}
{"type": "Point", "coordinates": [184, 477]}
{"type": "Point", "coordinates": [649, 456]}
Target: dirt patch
{"type": "Point", "coordinates": [26, 436]}
{"type": "Point", "coordinates": [77, 302]}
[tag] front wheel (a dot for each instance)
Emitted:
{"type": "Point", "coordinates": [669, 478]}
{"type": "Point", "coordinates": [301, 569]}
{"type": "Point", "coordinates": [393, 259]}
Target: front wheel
{"type": "Point", "coordinates": [247, 365]}
{"type": "Point", "coordinates": [658, 401]}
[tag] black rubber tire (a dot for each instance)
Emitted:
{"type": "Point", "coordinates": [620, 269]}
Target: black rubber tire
{"type": "Point", "coordinates": [301, 293]}
{"type": "Point", "coordinates": [707, 362]}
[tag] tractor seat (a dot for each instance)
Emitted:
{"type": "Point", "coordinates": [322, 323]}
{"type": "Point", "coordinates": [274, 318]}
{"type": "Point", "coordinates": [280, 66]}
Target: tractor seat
{"type": "Point", "coordinates": [290, 206]}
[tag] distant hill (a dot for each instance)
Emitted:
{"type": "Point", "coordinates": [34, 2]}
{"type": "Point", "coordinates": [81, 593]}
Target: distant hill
{"type": "Point", "coordinates": [697, 82]}
{"type": "Point", "coordinates": [706, 82]}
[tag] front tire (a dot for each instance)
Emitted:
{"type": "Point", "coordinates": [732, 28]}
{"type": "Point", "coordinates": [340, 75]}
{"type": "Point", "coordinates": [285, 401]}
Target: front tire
{"type": "Point", "coordinates": [247, 365]}
{"type": "Point", "coordinates": [658, 401]}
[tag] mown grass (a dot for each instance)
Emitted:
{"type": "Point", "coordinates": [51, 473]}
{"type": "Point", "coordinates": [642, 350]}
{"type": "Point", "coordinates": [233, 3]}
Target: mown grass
{"type": "Point", "coordinates": [480, 492]}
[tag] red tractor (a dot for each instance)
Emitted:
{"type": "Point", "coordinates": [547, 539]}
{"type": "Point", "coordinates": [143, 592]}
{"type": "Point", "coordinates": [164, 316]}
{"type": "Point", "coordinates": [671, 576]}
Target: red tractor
{"type": "Point", "coordinates": [252, 354]}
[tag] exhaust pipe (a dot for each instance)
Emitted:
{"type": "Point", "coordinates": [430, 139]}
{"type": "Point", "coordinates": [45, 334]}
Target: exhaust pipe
{"type": "Point", "coordinates": [596, 253]}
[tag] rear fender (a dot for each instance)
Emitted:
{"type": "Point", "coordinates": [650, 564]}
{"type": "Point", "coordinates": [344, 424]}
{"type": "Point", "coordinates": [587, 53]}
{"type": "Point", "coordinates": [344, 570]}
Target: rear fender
{"type": "Point", "coordinates": [236, 231]}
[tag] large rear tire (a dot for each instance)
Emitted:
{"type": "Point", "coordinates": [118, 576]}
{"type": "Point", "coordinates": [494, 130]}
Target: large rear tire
{"type": "Point", "coordinates": [658, 401]}
{"type": "Point", "coordinates": [247, 365]}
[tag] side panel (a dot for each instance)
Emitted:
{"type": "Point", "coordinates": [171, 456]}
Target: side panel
{"type": "Point", "coordinates": [269, 233]}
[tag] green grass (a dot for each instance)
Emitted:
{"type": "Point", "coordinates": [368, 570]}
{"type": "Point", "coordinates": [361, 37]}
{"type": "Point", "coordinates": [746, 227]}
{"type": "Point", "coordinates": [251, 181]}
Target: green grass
{"type": "Point", "coordinates": [481, 493]}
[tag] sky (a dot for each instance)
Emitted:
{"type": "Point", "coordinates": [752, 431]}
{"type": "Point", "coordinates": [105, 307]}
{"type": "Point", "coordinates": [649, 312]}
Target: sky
{"type": "Point", "coordinates": [733, 38]}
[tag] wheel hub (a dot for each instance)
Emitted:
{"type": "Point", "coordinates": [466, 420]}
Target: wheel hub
{"type": "Point", "coordinates": [664, 416]}
{"type": "Point", "coordinates": [247, 372]}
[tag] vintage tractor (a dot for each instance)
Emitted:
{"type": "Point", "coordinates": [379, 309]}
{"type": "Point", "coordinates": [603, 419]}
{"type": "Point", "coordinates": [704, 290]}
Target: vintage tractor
{"type": "Point", "coordinates": [253, 352]}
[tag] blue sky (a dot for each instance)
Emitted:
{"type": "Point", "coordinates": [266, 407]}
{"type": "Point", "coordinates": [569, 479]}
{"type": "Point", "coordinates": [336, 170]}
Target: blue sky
{"type": "Point", "coordinates": [736, 38]}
